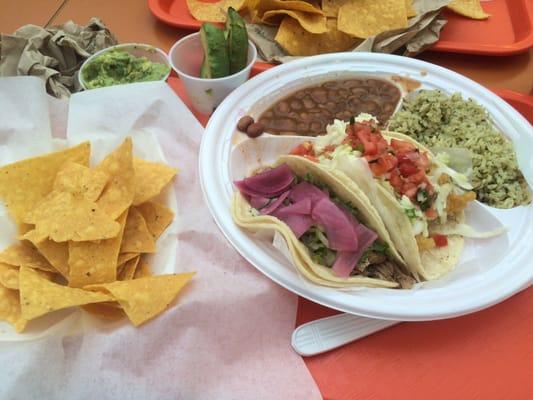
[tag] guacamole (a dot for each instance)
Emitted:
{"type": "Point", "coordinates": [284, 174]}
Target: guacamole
{"type": "Point", "coordinates": [117, 67]}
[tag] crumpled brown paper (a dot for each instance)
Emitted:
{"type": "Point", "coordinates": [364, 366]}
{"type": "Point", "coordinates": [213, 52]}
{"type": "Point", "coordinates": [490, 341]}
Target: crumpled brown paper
{"type": "Point", "coordinates": [422, 31]}
{"type": "Point", "coordinates": [53, 54]}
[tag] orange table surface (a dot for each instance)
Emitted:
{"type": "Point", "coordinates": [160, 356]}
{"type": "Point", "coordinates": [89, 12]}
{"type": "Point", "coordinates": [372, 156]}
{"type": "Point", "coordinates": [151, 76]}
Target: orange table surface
{"type": "Point", "coordinates": [14, 14]}
{"type": "Point", "coordinates": [486, 355]}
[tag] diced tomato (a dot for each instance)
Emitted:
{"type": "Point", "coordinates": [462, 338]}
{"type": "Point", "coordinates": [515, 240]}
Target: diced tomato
{"type": "Point", "coordinates": [329, 148]}
{"type": "Point", "coordinates": [402, 157]}
{"type": "Point", "coordinates": [401, 146]}
{"type": "Point", "coordinates": [382, 164]}
{"type": "Point", "coordinates": [364, 128]}
{"type": "Point", "coordinates": [377, 168]}
{"type": "Point", "coordinates": [423, 161]}
{"type": "Point", "coordinates": [372, 158]}
{"type": "Point", "coordinates": [431, 213]}
{"type": "Point", "coordinates": [409, 189]}
{"type": "Point", "coordinates": [370, 146]}
{"type": "Point", "coordinates": [403, 165]}
{"type": "Point", "coordinates": [396, 181]}
{"type": "Point", "coordinates": [440, 240]}
{"type": "Point", "coordinates": [418, 177]}
{"type": "Point", "coordinates": [407, 168]}
{"type": "Point", "coordinates": [350, 131]}
{"type": "Point", "coordinates": [391, 161]}
{"type": "Point", "coordinates": [303, 149]}
{"type": "Point", "coordinates": [382, 145]}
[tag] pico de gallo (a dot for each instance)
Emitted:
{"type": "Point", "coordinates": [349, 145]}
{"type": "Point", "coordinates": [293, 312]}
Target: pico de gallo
{"type": "Point", "coordinates": [426, 190]}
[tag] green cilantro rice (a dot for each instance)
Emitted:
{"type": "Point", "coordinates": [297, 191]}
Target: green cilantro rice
{"type": "Point", "coordinates": [434, 119]}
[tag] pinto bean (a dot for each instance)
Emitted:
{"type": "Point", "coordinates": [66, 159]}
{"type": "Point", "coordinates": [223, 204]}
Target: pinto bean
{"type": "Point", "coordinates": [256, 129]}
{"type": "Point", "coordinates": [244, 123]}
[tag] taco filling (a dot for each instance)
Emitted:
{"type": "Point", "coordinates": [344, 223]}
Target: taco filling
{"type": "Point", "coordinates": [328, 227]}
{"type": "Point", "coordinates": [429, 192]}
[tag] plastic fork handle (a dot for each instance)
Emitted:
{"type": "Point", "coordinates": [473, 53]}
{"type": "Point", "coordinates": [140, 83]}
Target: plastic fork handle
{"type": "Point", "coordinates": [326, 334]}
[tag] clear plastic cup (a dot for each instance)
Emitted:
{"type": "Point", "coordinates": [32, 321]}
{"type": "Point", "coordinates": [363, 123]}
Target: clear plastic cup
{"type": "Point", "coordinates": [186, 57]}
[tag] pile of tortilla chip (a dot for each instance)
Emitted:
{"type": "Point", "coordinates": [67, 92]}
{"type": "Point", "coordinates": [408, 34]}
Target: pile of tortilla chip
{"type": "Point", "coordinates": [310, 27]}
{"type": "Point", "coordinates": [82, 236]}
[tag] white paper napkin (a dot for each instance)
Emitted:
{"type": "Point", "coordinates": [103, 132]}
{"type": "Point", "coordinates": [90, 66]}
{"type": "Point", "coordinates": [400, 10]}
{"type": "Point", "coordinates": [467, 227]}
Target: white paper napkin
{"type": "Point", "coordinates": [229, 335]}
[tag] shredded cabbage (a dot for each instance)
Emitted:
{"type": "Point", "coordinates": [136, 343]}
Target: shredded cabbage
{"type": "Point", "coordinates": [457, 158]}
{"type": "Point", "coordinates": [418, 221]}
{"type": "Point", "coordinates": [340, 151]}
{"type": "Point", "coordinates": [363, 117]}
{"type": "Point", "coordinates": [460, 179]}
{"type": "Point", "coordinates": [336, 133]}
{"type": "Point", "coordinates": [443, 192]}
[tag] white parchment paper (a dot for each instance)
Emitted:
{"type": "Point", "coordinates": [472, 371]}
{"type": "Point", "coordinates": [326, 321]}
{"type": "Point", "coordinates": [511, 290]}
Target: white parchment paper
{"type": "Point", "coordinates": [228, 336]}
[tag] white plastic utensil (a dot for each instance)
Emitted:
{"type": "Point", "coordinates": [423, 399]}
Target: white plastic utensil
{"type": "Point", "coordinates": [328, 333]}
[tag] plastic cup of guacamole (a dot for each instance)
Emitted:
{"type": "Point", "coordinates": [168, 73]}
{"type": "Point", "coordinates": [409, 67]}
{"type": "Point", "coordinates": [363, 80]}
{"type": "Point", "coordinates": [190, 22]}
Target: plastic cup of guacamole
{"type": "Point", "coordinates": [123, 64]}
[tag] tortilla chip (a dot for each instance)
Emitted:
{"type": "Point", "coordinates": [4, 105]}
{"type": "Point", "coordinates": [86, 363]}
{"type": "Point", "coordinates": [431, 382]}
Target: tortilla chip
{"type": "Point", "coordinates": [366, 18]}
{"type": "Point", "coordinates": [39, 296]}
{"type": "Point", "coordinates": [55, 253]}
{"type": "Point", "coordinates": [63, 216]}
{"type": "Point", "coordinates": [10, 308]}
{"type": "Point", "coordinates": [127, 270]}
{"type": "Point", "coordinates": [137, 238]}
{"type": "Point", "coordinates": [143, 270]}
{"type": "Point", "coordinates": [119, 191]}
{"type": "Point", "coordinates": [106, 311]}
{"type": "Point", "coordinates": [312, 23]}
{"type": "Point", "coordinates": [124, 257]}
{"type": "Point", "coordinates": [95, 261]}
{"type": "Point", "coordinates": [24, 254]}
{"type": "Point", "coordinates": [254, 13]}
{"type": "Point", "coordinates": [410, 11]}
{"type": "Point", "coordinates": [468, 8]}
{"type": "Point", "coordinates": [157, 217]}
{"type": "Point", "coordinates": [150, 179]}
{"type": "Point", "coordinates": [295, 5]}
{"type": "Point", "coordinates": [9, 276]}
{"type": "Point", "coordinates": [297, 42]}
{"type": "Point", "coordinates": [145, 298]}
{"type": "Point", "coordinates": [80, 180]}
{"type": "Point", "coordinates": [331, 7]}
{"type": "Point", "coordinates": [213, 12]}
{"type": "Point", "coordinates": [33, 178]}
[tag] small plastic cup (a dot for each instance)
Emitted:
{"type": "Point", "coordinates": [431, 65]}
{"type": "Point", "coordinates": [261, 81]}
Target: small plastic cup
{"type": "Point", "coordinates": [186, 57]}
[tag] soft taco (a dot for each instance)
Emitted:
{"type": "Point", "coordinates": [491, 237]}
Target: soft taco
{"type": "Point", "coordinates": [334, 235]}
{"type": "Point", "coordinates": [420, 199]}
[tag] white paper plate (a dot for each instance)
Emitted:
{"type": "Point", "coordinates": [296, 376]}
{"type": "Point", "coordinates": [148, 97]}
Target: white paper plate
{"type": "Point", "coordinates": [489, 271]}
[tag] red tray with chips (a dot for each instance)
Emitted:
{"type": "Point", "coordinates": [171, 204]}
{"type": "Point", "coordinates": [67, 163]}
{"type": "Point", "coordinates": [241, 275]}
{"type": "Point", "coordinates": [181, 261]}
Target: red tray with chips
{"type": "Point", "coordinates": [509, 29]}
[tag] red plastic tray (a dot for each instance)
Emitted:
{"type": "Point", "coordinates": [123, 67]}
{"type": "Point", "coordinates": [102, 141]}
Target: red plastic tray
{"type": "Point", "coordinates": [509, 29]}
{"type": "Point", "coordinates": [521, 102]}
